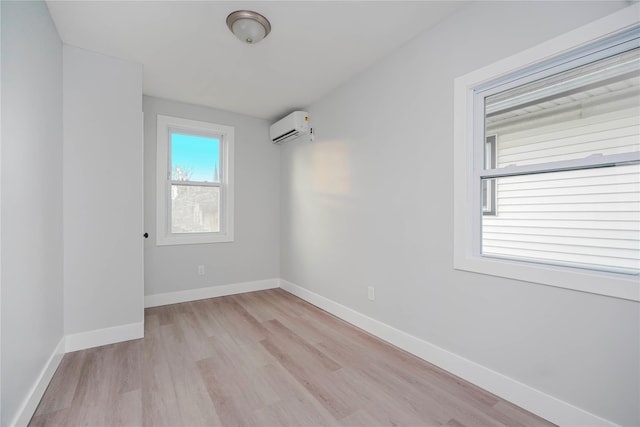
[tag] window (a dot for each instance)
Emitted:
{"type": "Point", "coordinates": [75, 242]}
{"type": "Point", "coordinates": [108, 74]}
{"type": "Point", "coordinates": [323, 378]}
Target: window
{"type": "Point", "coordinates": [194, 182]}
{"type": "Point", "coordinates": [549, 160]}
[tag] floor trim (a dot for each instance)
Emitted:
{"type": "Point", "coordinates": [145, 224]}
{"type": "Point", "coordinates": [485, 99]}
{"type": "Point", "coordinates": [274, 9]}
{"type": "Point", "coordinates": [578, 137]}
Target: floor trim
{"type": "Point", "coordinates": [30, 403]}
{"type": "Point", "coordinates": [98, 337]}
{"type": "Point", "coordinates": [209, 292]}
{"type": "Point", "coordinates": [546, 406]}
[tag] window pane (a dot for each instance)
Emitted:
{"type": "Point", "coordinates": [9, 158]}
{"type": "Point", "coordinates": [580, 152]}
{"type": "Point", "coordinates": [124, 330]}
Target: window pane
{"type": "Point", "coordinates": [585, 218]}
{"type": "Point", "coordinates": [195, 158]}
{"type": "Point", "coordinates": [195, 209]}
{"type": "Point", "coordinates": [594, 108]}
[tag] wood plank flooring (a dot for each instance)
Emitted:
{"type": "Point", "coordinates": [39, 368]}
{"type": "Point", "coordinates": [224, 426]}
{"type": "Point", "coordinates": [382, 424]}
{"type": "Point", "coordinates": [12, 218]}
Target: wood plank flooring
{"type": "Point", "coordinates": [261, 359]}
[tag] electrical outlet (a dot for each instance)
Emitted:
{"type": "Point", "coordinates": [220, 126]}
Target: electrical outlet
{"type": "Point", "coordinates": [201, 270]}
{"type": "Point", "coordinates": [371, 293]}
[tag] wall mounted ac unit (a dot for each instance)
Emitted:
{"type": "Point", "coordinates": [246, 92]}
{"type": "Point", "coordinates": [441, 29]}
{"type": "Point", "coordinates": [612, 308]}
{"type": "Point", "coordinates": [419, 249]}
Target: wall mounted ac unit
{"type": "Point", "coordinates": [289, 127]}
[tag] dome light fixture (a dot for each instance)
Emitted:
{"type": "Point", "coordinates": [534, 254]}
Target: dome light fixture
{"type": "Point", "coordinates": [248, 26]}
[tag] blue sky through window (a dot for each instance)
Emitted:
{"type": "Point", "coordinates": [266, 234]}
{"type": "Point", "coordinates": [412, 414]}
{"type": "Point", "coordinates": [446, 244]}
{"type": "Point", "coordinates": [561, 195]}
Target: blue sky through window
{"type": "Point", "coordinates": [195, 158]}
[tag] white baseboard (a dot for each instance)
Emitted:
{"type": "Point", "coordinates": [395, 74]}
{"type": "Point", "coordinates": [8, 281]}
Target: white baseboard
{"type": "Point", "coordinates": [32, 400]}
{"type": "Point", "coordinates": [535, 401]}
{"type": "Point", "coordinates": [98, 337]}
{"type": "Point", "coordinates": [210, 292]}
{"type": "Point", "coordinates": [548, 407]}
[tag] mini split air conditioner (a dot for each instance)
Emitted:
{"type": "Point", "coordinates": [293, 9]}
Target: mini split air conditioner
{"type": "Point", "coordinates": [290, 127]}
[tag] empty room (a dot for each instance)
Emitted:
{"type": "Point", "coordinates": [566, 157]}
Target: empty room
{"type": "Point", "coordinates": [320, 213]}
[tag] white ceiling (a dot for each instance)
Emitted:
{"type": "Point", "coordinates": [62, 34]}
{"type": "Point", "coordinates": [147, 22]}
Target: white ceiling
{"type": "Point", "coordinates": [189, 54]}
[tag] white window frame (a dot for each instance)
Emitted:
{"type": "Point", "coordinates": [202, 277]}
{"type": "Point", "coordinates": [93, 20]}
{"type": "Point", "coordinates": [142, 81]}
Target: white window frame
{"type": "Point", "coordinates": [469, 158]}
{"type": "Point", "coordinates": [165, 125]}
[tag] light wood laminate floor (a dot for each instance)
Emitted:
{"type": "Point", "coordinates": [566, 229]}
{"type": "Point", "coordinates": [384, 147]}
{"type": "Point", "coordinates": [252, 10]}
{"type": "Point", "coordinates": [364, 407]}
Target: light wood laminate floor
{"type": "Point", "coordinates": [261, 359]}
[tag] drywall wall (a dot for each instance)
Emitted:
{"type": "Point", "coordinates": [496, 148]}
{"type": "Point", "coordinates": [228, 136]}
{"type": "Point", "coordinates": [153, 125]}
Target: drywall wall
{"type": "Point", "coordinates": [254, 253]}
{"type": "Point", "coordinates": [370, 203]}
{"type": "Point", "coordinates": [103, 258]}
{"type": "Point", "coordinates": [31, 192]}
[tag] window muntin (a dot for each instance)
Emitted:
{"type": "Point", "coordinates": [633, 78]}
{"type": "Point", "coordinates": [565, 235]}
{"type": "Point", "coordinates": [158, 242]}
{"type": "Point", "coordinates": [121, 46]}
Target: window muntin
{"type": "Point", "coordinates": [618, 32]}
{"type": "Point", "coordinates": [195, 182]}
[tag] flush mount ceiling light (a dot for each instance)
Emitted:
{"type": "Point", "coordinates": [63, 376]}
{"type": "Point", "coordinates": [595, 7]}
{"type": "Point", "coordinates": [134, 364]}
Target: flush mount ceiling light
{"type": "Point", "coordinates": [250, 27]}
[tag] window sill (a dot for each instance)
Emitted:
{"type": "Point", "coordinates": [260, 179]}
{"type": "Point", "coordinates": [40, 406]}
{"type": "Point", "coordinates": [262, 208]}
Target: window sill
{"type": "Point", "coordinates": [193, 239]}
{"type": "Point", "coordinates": [623, 286]}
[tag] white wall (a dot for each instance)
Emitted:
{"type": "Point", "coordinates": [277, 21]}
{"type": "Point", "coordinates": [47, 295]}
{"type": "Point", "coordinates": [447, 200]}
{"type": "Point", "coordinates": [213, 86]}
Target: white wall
{"type": "Point", "coordinates": [255, 253]}
{"type": "Point", "coordinates": [32, 304]}
{"type": "Point", "coordinates": [103, 264]}
{"type": "Point", "coordinates": [370, 203]}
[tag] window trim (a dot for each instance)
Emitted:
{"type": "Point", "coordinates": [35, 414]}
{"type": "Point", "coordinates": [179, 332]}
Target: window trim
{"type": "Point", "coordinates": [466, 197]}
{"type": "Point", "coordinates": [165, 125]}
